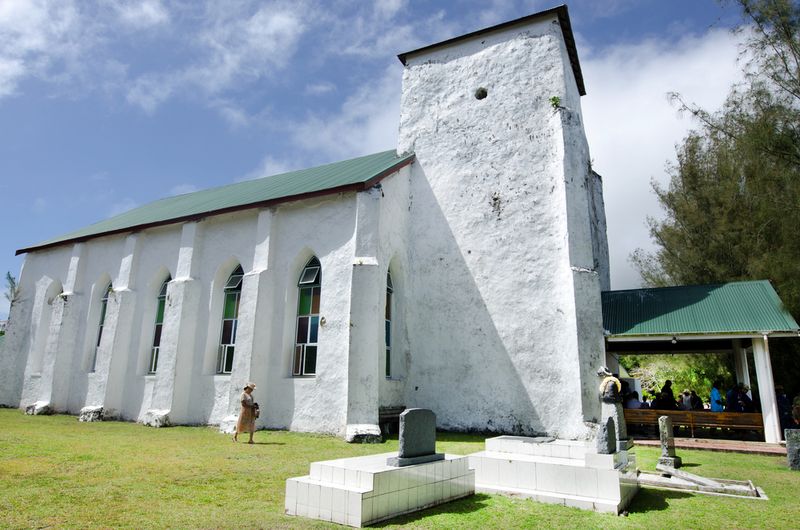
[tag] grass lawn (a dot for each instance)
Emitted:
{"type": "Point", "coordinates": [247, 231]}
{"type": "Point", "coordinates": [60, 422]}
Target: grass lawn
{"type": "Point", "coordinates": [55, 471]}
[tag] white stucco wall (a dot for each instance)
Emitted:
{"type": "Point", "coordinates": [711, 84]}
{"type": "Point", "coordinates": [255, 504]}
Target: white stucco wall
{"type": "Point", "coordinates": [495, 238]}
{"type": "Point", "coordinates": [199, 257]}
{"type": "Point", "coordinates": [499, 227]}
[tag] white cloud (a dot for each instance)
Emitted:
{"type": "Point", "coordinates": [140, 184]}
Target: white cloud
{"type": "Point", "coordinates": [180, 189]}
{"type": "Point", "coordinates": [122, 206]}
{"type": "Point", "coordinates": [380, 33]}
{"type": "Point", "coordinates": [388, 8]}
{"type": "Point", "coordinates": [142, 15]}
{"type": "Point", "coordinates": [271, 166]}
{"type": "Point", "coordinates": [234, 47]}
{"type": "Point", "coordinates": [316, 89]}
{"type": "Point", "coordinates": [151, 90]}
{"type": "Point", "coordinates": [632, 128]}
{"type": "Point", "coordinates": [367, 121]}
{"type": "Point", "coordinates": [37, 34]}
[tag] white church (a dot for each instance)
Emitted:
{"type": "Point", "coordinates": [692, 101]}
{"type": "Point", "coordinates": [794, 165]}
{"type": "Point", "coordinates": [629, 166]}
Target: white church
{"type": "Point", "coordinates": [461, 272]}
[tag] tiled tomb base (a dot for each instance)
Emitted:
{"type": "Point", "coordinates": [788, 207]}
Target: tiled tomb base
{"type": "Point", "coordinates": [364, 490]}
{"type": "Point", "coordinates": [562, 472]}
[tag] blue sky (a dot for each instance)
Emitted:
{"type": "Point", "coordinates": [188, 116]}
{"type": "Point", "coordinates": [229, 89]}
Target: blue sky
{"type": "Point", "coordinates": [108, 105]}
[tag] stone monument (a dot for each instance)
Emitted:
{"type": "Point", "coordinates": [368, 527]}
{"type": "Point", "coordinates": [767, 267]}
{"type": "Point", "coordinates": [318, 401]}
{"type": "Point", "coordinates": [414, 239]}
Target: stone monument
{"type": "Point", "coordinates": [368, 489]}
{"type": "Point", "coordinates": [668, 457]}
{"type": "Point", "coordinates": [607, 438]}
{"type": "Point", "coordinates": [611, 406]}
{"type": "Point", "coordinates": [417, 439]}
{"type": "Point", "coordinates": [792, 437]}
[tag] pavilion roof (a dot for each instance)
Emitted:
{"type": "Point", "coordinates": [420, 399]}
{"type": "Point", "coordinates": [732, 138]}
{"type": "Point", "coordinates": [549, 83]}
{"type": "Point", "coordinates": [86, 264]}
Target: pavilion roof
{"type": "Point", "coordinates": [356, 174]}
{"type": "Point", "coordinates": [738, 308]}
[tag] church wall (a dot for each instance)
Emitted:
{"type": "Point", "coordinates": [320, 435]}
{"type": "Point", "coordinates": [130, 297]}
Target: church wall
{"type": "Point", "coordinates": [394, 244]}
{"type": "Point", "coordinates": [137, 264]}
{"type": "Point", "coordinates": [497, 340]}
{"type": "Point", "coordinates": [22, 330]}
{"type": "Point", "coordinates": [323, 228]}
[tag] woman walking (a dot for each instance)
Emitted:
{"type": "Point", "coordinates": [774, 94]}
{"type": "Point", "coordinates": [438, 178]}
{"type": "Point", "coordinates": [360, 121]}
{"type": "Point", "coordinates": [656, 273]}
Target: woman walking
{"type": "Point", "coordinates": [247, 415]}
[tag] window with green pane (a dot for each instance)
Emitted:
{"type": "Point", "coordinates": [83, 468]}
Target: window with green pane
{"type": "Point", "coordinates": [230, 320]}
{"type": "Point", "coordinates": [160, 308]}
{"type": "Point", "coordinates": [387, 328]}
{"type": "Point", "coordinates": [103, 308]}
{"type": "Point", "coordinates": [308, 298]}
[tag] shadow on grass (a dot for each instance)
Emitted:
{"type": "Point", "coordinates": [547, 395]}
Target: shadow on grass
{"type": "Point", "coordinates": [650, 500]}
{"type": "Point", "coordinates": [269, 443]}
{"type": "Point", "coordinates": [469, 504]}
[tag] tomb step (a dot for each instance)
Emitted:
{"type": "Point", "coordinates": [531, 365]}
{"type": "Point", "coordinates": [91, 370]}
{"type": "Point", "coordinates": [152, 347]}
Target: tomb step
{"type": "Point", "coordinates": [393, 491]}
{"type": "Point", "coordinates": [541, 446]}
{"type": "Point", "coordinates": [554, 477]}
{"type": "Point", "coordinates": [573, 501]}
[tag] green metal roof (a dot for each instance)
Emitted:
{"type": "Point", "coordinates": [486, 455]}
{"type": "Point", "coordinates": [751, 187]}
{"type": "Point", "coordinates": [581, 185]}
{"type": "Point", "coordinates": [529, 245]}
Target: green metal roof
{"type": "Point", "coordinates": [356, 174]}
{"type": "Point", "coordinates": [726, 308]}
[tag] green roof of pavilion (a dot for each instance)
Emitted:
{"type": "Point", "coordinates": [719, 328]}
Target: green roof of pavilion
{"type": "Point", "coordinates": [356, 174]}
{"type": "Point", "coordinates": [737, 308]}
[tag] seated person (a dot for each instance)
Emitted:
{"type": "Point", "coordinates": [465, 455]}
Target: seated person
{"type": "Point", "coordinates": [697, 403]}
{"type": "Point", "coordinates": [632, 401]}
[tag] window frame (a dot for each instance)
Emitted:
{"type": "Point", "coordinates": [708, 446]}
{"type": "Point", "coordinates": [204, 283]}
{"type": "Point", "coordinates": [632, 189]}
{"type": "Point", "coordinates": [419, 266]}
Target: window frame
{"type": "Point", "coordinates": [226, 350]}
{"type": "Point", "coordinates": [103, 310]}
{"type": "Point", "coordinates": [307, 322]}
{"type": "Point", "coordinates": [158, 327]}
{"type": "Point", "coordinates": [387, 328]}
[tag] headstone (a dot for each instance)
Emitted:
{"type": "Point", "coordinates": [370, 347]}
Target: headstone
{"type": "Point", "coordinates": [417, 439]}
{"type": "Point", "coordinates": [91, 414]}
{"type": "Point", "coordinates": [668, 457]}
{"type": "Point", "coordinates": [611, 406]}
{"type": "Point", "coordinates": [792, 437]}
{"type": "Point", "coordinates": [607, 438]}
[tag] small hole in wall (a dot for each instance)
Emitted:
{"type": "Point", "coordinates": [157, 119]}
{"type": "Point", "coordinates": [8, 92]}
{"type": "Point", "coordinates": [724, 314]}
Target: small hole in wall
{"type": "Point", "coordinates": [481, 93]}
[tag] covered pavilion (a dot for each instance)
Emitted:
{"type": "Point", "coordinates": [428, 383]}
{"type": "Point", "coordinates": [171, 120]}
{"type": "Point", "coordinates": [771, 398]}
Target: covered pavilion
{"type": "Point", "coordinates": [734, 317]}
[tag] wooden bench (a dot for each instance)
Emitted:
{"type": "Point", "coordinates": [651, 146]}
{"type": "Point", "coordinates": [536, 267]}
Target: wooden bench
{"type": "Point", "coordinates": [748, 421]}
{"type": "Point", "coordinates": [388, 417]}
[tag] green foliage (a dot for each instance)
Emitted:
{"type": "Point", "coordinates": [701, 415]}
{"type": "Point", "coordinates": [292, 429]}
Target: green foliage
{"type": "Point", "coordinates": [693, 371]}
{"type": "Point", "coordinates": [555, 102]}
{"type": "Point", "coordinates": [733, 200]}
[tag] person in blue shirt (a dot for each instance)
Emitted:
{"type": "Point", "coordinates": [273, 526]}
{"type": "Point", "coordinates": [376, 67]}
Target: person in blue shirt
{"type": "Point", "coordinates": [716, 397]}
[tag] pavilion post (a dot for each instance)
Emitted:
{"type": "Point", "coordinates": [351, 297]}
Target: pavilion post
{"type": "Point", "coordinates": [766, 390]}
{"type": "Point", "coordinates": [740, 362]}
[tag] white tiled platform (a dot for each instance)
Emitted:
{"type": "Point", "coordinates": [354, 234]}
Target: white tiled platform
{"type": "Point", "coordinates": [364, 490]}
{"type": "Point", "coordinates": [560, 472]}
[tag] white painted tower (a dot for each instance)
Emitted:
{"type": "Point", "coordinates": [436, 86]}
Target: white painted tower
{"type": "Point", "coordinates": [508, 250]}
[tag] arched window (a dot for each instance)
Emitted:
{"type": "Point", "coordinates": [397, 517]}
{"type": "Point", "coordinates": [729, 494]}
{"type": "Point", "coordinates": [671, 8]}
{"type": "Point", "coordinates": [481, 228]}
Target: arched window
{"type": "Point", "coordinates": [308, 296]}
{"type": "Point", "coordinates": [103, 307]}
{"type": "Point", "coordinates": [230, 320]}
{"type": "Point", "coordinates": [388, 324]}
{"type": "Point", "coordinates": [162, 303]}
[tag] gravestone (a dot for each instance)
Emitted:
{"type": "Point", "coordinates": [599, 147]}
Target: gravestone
{"type": "Point", "coordinates": [792, 437]}
{"type": "Point", "coordinates": [607, 438]}
{"type": "Point", "coordinates": [417, 439]}
{"type": "Point", "coordinates": [611, 407]}
{"type": "Point", "coordinates": [668, 457]}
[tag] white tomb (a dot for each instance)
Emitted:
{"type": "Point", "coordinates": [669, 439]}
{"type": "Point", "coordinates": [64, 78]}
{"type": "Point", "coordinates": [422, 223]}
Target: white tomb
{"type": "Point", "coordinates": [365, 490]}
{"type": "Point", "coordinates": [566, 472]}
